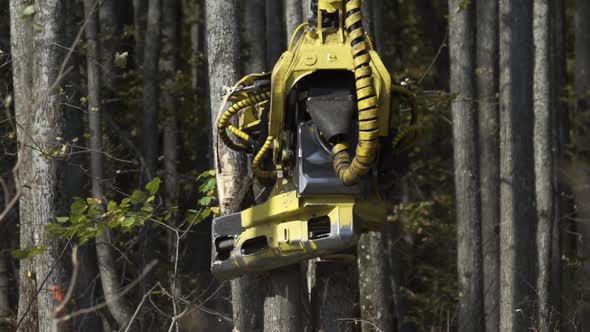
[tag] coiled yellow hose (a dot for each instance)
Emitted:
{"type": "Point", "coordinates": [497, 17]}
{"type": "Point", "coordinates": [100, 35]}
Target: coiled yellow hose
{"type": "Point", "coordinates": [349, 171]}
{"type": "Point", "coordinates": [224, 124]}
{"type": "Point", "coordinates": [256, 169]}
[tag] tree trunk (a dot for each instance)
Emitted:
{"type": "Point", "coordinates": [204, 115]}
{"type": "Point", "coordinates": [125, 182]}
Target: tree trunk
{"type": "Point", "coordinates": [248, 291]}
{"type": "Point", "coordinates": [110, 27]}
{"type": "Point", "coordinates": [254, 27]}
{"type": "Point", "coordinates": [469, 258]}
{"type": "Point", "coordinates": [293, 17]}
{"type": "Point", "coordinates": [581, 182]}
{"type": "Point", "coordinates": [4, 292]}
{"type": "Point", "coordinates": [140, 8]}
{"type": "Point", "coordinates": [151, 89]}
{"type": "Point", "coordinates": [486, 72]}
{"type": "Point", "coordinates": [334, 296]}
{"type": "Point", "coordinates": [42, 123]}
{"type": "Point", "coordinates": [517, 213]}
{"type": "Point", "coordinates": [22, 76]}
{"type": "Point", "coordinates": [374, 287]}
{"type": "Point", "coordinates": [282, 306]}
{"type": "Point", "coordinates": [543, 155]}
{"type": "Point", "coordinates": [223, 49]}
{"type": "Point", "coordinates": [108, 276]}
{"type": "Point", "coordinates": [275, 33]}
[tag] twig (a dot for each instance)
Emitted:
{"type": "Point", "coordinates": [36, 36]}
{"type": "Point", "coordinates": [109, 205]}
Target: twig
{"type": "Point", "coordinates": [145, 296]}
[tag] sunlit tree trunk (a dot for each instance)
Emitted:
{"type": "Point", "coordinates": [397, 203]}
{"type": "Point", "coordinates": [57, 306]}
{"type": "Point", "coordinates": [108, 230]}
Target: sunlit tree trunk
{"type": "Point", "coordinates": [293, 17]}
{"type": "Point", "coordinates": [223, 49]}
{"type": "Point", "coordinates": [543, 155]}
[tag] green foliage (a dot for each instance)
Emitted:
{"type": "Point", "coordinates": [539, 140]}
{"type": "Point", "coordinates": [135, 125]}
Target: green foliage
{"type": "Point", "coordinates": [28, 252]}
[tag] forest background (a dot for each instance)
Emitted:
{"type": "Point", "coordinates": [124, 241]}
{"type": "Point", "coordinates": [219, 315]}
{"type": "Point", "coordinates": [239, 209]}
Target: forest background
{"type": "Point", "coordinates": [107, 189]}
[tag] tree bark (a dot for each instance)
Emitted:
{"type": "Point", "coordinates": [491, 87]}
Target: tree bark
{"type": "Point", "coordinates": [22, 77]}
{"type": "Point", "coordinates": [469, 258]}
{"type": "Point", "coordinates": [374, 287]}
{"type": "Point", "coordinates": [543, 155]}
{"type": "Point", "coordinates": [282, 306]}
{"type": "Point", "coordinates": [489, 154]}
{"type": "Point", "coordinates": [140, 8]}
{"type": "Point", "coordinates": [120, 311]}
{"type": "Point", "coordinates": [275, 33]}
{"type": "Point", "coordinates": [293, 17]}
{"type": "Point", "coordinates": [334, 295]}
{"type": "Point", "coordinates": [110, 31]}
{"type": "Point", "coordinates": [43, 125]}
{"type": "Point", "coordinates": [151, 89]}
{"type": "Point", "coordinates": [517, 213]}
{"type": "Point", "coordinates": [254, 28]}
{"type": "Point", "coordinates": [581, 182]}
{"type": "Point", "coordinates": [223, 49]}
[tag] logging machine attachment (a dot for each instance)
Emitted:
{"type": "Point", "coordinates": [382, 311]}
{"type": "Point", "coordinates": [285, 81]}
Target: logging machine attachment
{"type": "Point", "coordinates": [321, 132]}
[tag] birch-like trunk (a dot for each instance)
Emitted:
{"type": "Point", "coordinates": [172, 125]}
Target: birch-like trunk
{"type": "Point", "coordinates": [486, 73]}
{"type": "Point", "coordinates": [543, 154]}
{"type": "Point", "coordinates": [464, 112]}
{"type": "Point", "coordinates": [22, 77]}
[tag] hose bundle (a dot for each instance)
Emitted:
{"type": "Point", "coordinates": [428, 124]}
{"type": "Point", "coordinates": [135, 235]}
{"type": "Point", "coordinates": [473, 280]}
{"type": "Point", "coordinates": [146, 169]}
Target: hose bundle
{"type": "Point", "coordinates": [350, 171]}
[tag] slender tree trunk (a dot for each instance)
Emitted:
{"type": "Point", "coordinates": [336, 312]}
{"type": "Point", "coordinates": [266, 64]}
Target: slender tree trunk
{"type": "Point", "coordinates": [517, 213]}
{"type": "Point", "coordinates": [140, 8]}
{"type": "Point", "coordinates": [334, 295]}
{"type": "Point", "coordinates": [581, 181]}
{"type": "Point", "coordinates": [254, 28]}
{"type": "Point", "coordinates": [293, 17]}
{"type": "Point", "coordinates": [195, 48]}
{"type": "Point", "coordinates": [562, 232]}
{"type": "Point", "coordinates": [248, 291]}
{"type": "Point", "coordinates": [151, 89]}
{"type": "Point", "coordinates": [469, 258]}
{"type": "Point", "coordinates": [22, 76]}
{"type": "Point", "coordinates": [275, 33]}
{"type": "Point", "coordinates": [109, 43]}
{"type": "Point", "coordinates": [489, 154]}
{"type": "Point", "coordinates": [374, 285]}
{"type": "Point", "coordinates": [108, 276]}
{"type": "Point", "coordinates": [223, 49]}
{"type": "Point", "coordinates": [543, 155]}
{"type": "Point", "coordinates": [168, 68]}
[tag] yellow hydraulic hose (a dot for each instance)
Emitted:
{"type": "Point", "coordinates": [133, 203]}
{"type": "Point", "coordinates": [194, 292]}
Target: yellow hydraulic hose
{"type": "Point", "coordinates": [256, 169]}
{"type": "Point", "coordinates": [224, 124]}
{"type": "Point", "coordinates": [349, 171]}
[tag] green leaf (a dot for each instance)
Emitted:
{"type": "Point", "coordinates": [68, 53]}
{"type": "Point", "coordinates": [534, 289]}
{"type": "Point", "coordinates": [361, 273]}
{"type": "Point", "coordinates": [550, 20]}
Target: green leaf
{"type": "Point", "coordinates": [28, 252]}
{"type": "Point", "coordinates": [62, 220]}
{"type": "Point", "coordinates": [206, 174]}
{"type": "Point", "coordinates": [28, 11]}
{"type": "Point", "coordinates": [205, 201]}
{"type": "Point", "coordinates": [128, 222]}
{"type": "Point", "coordinates": [153, 186]}
{"type": "Point", "coordinates": [137, 197]}
{"type": "Point", "coordinates": [112, 206]}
